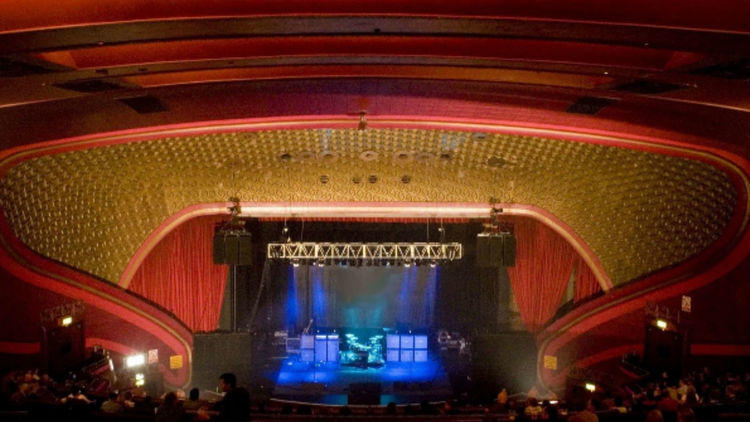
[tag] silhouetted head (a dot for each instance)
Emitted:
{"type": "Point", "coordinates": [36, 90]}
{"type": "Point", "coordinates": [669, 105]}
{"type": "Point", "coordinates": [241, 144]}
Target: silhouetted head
{"type": "Point", "coordinates": [227, 381]}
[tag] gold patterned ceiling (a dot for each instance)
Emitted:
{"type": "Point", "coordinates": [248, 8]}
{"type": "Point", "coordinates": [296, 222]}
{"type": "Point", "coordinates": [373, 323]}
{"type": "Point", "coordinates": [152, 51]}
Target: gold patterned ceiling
{"type": "Point", "coordinates": [637, 211]}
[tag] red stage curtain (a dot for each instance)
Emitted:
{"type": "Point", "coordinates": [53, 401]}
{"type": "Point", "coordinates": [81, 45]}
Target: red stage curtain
{"type": "Point", "coordinates": [544, 262]}
{"type": "Point", "coordinates": [586, 284]}
{"type": "Point", "coordinates": [179, 275]}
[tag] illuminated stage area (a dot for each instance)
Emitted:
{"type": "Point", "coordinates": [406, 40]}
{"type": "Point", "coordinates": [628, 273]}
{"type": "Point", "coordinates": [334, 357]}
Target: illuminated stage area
{"type": "Point", "coordinates": [371, 303]}
{"type": "Point", "coordinates": [331, 382]}
{"type": "Point", "coordinates": [366, 331]}
{"type": "Point", "coordinates": [324, 367]}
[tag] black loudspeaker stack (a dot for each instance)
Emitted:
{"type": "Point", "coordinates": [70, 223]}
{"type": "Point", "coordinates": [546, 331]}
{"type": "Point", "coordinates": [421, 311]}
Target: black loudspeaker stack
{"type": "Point", "coordinates": [233, 248]}
{"type": "Point", "coordinates": [496, 250]}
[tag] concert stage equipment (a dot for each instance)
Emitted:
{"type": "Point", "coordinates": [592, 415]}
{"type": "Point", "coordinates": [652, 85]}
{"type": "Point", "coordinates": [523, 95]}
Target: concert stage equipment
{"type": "Point", "coordinates": [363, 354]}
{"type": "Point", "coordinates": [496, 250]}
{"type": "Point", "coordinates": [319, 348]}
{"type": "Point", "coordinates": [233, 248]}
{"type": "Point", "coordinates": [232, 243]}
{"type": "Point", "coordinates": [366, 253]}
{"type": "Point", "coordinates": [406, 348]}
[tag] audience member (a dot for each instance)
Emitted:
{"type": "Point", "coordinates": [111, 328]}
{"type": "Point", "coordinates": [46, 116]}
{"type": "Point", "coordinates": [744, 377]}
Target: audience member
{"type": "Point", "coordinates": [235, 406]}
{"type": "Point", "coordinates": [532, 410]}
{"type": "Point", "coordinates": [170, 410]}
{"type": "Point", "coordinates": [112, 405]}
{"type": "Point", "coordinates": [583, 412]}
{"type": "Point", "coordinates": [192, 403]}
{"type": "Point", "coordinates": [654, 416]}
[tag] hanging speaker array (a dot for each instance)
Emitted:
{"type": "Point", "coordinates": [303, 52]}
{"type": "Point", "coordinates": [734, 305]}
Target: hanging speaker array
{"type": "Point", "coordinates": [496, 250]}
{"type": "Point", "coordinates": [233, 248]}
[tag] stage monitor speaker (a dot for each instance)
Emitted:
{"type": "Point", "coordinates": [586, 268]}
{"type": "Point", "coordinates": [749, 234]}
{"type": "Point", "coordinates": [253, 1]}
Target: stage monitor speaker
{"type": "Point", "coordinates": [217, 353]}
{"type": "Point", "coordinates": [233, 249]}
{"type": "Point", "coordinates": [496, 250]}
{"type": "Point", "coordinates": [364, 393]}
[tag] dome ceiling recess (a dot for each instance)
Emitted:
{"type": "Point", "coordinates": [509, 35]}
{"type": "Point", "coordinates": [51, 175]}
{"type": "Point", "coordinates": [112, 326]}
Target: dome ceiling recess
{"type": "Point", "coordinates": [638, 211]}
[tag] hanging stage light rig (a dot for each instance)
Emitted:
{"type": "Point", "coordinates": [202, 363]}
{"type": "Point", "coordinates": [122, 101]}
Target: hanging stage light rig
{"type": "Point", "coordinates": [367, 254]}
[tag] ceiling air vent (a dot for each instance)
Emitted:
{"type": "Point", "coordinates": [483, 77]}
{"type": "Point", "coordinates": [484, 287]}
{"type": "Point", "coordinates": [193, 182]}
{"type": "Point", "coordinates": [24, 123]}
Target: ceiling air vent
{"type": "Point", "coordinates": [10, 68]}
{"type": "Point", "coordinates": [734, 70]}
{"type": "Point", "coordinates": [589, 105]}
{"type": "Point", "coordinates": [648, 87]}
{"type": "Point", "coordinates": [145, 104]}
{"type": "Point", "coordinates": [89, 86]}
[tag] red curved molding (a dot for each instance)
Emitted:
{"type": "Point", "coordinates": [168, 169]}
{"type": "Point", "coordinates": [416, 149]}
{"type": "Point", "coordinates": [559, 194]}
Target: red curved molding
{"type": "Point", "coordinates": [39, 14]}
{"type": "Point", "coordinates": [19, 348]}
{"type": "Point", "coordinates": [28, 266]}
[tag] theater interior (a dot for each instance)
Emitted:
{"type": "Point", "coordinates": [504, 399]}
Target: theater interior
{"type": "Point", "coordinates": [553, 196]}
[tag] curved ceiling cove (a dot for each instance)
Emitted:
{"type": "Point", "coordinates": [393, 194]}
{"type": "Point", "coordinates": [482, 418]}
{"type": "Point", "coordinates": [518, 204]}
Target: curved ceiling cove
{"type": "Point", "coordinates": [638, 211]}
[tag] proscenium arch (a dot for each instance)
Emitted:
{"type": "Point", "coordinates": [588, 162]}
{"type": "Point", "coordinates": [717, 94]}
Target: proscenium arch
{"type": "Point", "coordinates": [374, 211]}
{"type": "Point", "coordinates": [724, 162]}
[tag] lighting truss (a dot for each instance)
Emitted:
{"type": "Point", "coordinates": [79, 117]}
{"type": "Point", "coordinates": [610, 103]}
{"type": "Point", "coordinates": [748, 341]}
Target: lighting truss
{"type": "Point", "coordinates": [366, 252]}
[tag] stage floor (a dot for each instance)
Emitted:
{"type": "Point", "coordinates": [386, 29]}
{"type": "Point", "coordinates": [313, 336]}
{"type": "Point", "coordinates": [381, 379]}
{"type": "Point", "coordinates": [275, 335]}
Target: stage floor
{"type": "Point", "coordinates": [329, 382]}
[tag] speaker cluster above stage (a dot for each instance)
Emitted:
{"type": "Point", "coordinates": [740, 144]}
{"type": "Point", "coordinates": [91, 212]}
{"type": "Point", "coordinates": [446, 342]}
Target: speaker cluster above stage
{"type": "Point", "coordinates": [496, 249]}
{"type": "Point", "coordinates": [233, 248]}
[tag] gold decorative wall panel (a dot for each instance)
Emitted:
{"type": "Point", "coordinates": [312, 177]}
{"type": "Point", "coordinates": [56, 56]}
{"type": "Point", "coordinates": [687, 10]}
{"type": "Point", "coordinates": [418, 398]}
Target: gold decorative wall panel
{"type": "Point", "coordinates": [638, 211]}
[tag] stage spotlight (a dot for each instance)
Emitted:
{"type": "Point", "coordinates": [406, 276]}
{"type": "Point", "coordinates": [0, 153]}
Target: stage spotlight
{"type": "Point", "coordinates": [661, 324]}
{"type": "Point", "coordinates": [135, 360]}
{"type": "Point", "coordinates": [433, 264]}
{"type": "Point", "coordinates": [591, 386]}
{"type": "Point", "coordinates": [140, 380]}
{"type": "Point", "coordinates": [66, 321]}
{"type": "Point", "coordinates": [407, 263]}
{"type": "Point", "coordinates": [295, 263]}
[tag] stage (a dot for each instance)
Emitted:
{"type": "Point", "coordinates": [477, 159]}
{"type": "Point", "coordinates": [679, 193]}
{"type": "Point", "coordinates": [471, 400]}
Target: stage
{"type": "Point", "coordinates": [329, 382]}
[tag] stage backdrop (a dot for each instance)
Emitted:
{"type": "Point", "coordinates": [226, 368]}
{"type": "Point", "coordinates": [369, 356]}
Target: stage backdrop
{"type": "Point", "coordinates": [361, 297]}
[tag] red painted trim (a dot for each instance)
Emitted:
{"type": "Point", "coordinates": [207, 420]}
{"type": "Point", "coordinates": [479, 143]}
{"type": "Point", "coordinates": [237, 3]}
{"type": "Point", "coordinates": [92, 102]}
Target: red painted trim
{"type": "Point", "coordinates": [110, 345]}
{"type": "Point", "coordinates": [615, 352]}
{"type": "Point", "coordinates": [696, 15]}
{"type": "Point", "coordinates": [558, 377]}
{"type": "Point", "coordinates": [49, 275]}
{"type": "Point", "coordinates": [516, 49]}
{"type": "Point", "coordinates": [658, 294]}
{"type": "Point", "coordinates": [19, 348]}
{"type": "Point", "coordinates": [548, 78]}
{"type": "Point", "coordinates": [720, 349]}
